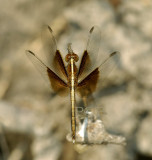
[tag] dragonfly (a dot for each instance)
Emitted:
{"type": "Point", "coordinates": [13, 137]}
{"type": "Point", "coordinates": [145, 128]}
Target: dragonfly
{"type": "Point", "coordinates": [66, 76]}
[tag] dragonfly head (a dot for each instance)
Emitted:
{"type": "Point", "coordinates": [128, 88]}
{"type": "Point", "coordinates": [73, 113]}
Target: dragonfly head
{"type": "Point", "coordinates": [70, 54]}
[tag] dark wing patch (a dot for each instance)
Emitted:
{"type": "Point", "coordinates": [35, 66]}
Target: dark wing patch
{"type": "Point", "coordinates": [57, 84]}
{"type": "Point", "coordinates": [54, 81]}
{"type": "Point", "coordinates": [84, 63]}
{"type": "Point", "coordinates": [88, 85]}
{"type": "Point", "coordinates": [59, 64]}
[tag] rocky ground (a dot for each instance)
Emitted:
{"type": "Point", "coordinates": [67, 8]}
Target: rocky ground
{"type": "Point", "coordinates": [34, 122]}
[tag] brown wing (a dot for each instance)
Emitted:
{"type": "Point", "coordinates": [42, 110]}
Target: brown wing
{"type": "Point", "coordinates": [56, 83]}
{"type": "Point", "coordinates": [89, 84]}
{"type": "Point", "coordinates": [52, 57]}
{"type": "Point", "coordinates": [94, 65]}
{"type": "Point", "coordinates": [90, 59]}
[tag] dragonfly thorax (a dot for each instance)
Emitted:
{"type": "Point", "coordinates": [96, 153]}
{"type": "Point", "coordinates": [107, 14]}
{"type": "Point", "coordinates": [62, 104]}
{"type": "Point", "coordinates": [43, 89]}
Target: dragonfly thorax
{"type": "Point", "coordinates": [69, 56]}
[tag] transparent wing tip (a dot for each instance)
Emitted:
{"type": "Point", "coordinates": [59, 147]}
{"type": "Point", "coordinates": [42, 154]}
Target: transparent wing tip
{"type": "Point", "coordinates": [114, 53]}
{"type": "Point", "coordinates": [91, 30]}
{"type": "Point", "coordinates": [29, 52]}
{"type": "Point", "coordinates": [50, 29]}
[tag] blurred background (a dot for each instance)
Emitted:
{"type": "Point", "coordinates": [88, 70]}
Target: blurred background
{"type": "Point", "coordinates": [34, 122]}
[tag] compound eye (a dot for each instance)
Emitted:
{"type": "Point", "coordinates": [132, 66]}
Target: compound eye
{"type": "Point", "coordinates": [67, 57]}
{"type": "Point", "coordinates": [76, 58]}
